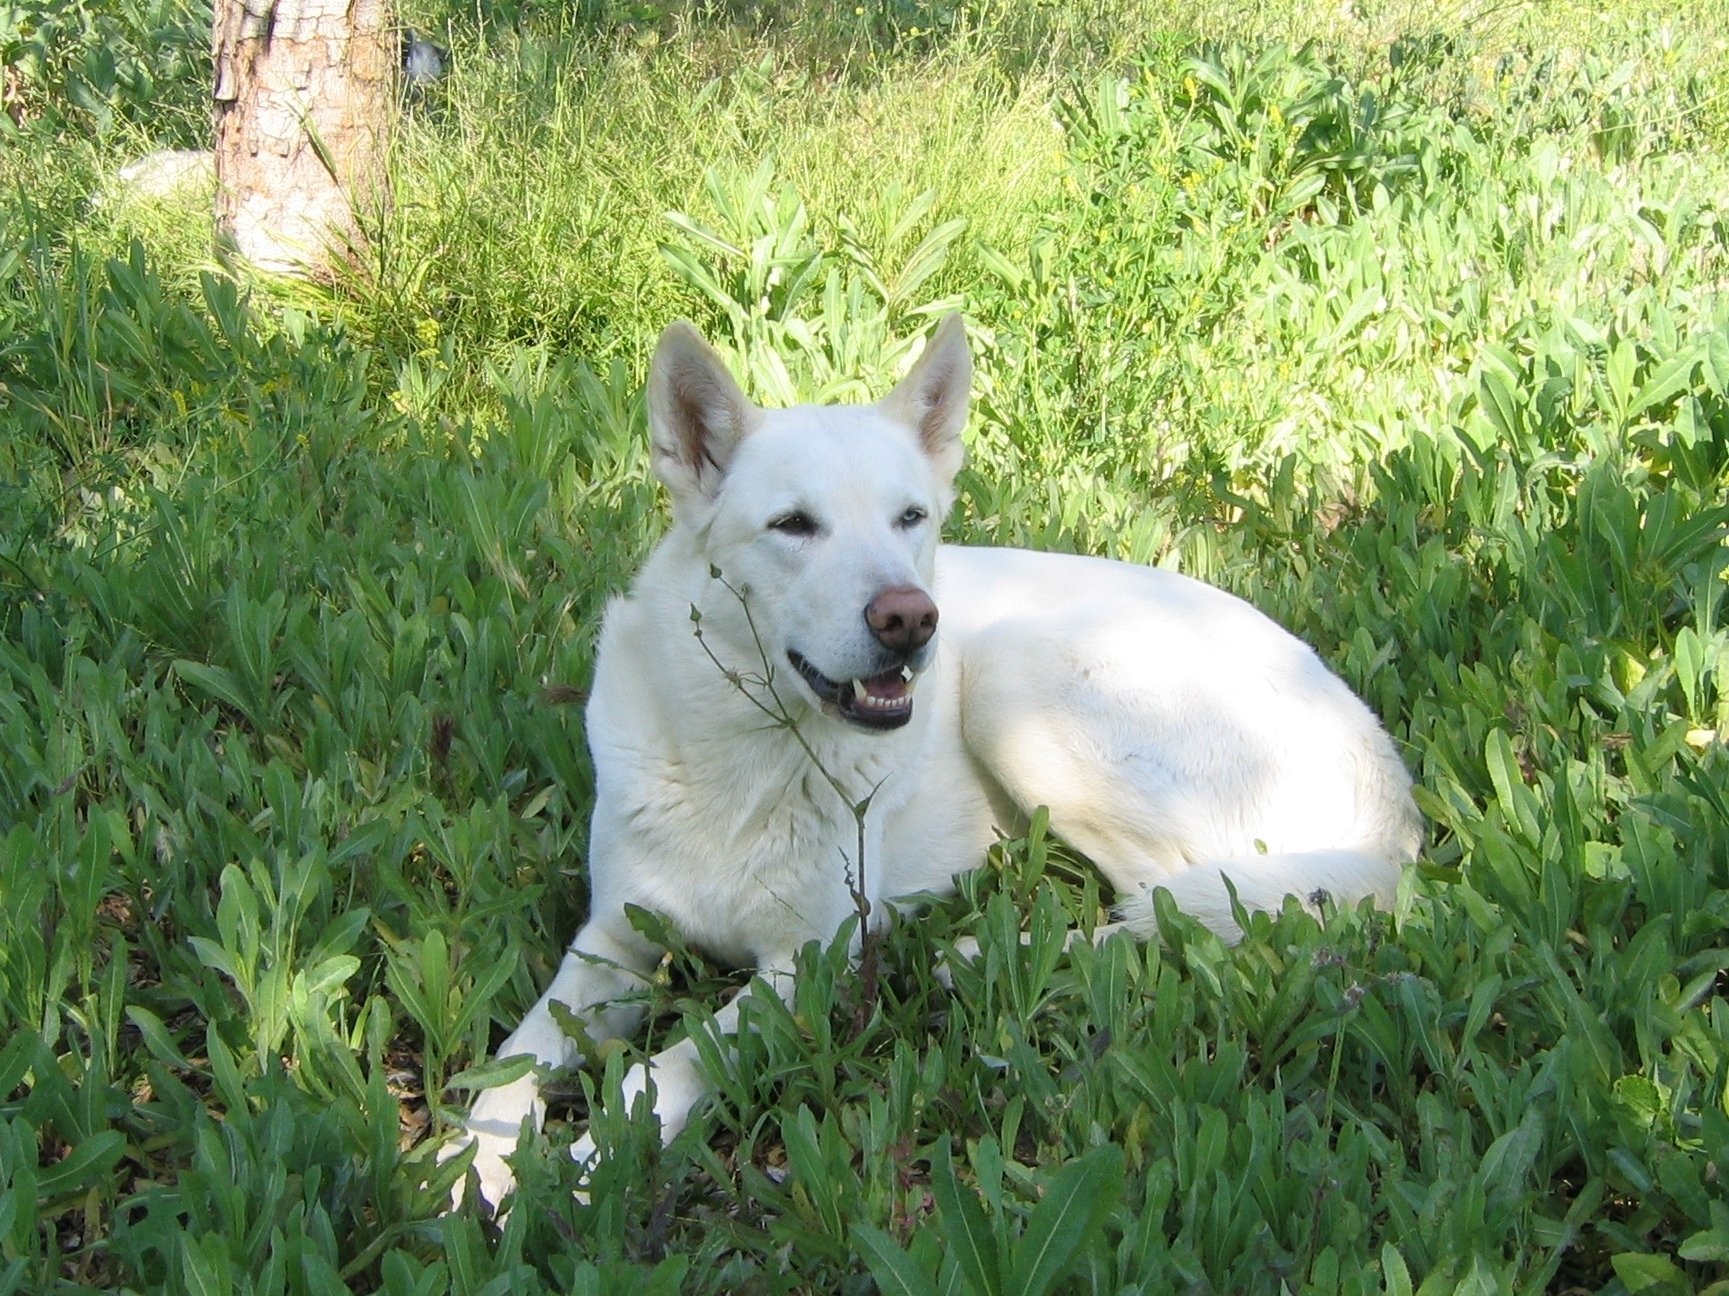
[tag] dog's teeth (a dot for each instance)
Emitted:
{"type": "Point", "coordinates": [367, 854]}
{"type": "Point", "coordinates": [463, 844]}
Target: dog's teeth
{"type": "Point", "coordinates": [858, 690]}
{"type": "Point", "coordinates": [907, 674]}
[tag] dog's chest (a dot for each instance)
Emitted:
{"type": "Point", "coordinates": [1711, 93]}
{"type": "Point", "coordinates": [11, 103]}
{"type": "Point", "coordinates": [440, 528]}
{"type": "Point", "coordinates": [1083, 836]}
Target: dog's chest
{"type": "Point", "coordinates": [750, 851]}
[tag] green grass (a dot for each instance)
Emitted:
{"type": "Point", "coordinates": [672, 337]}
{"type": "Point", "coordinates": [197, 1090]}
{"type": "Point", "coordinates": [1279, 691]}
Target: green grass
{"type": "Point", "coordinates": [1417, 337]}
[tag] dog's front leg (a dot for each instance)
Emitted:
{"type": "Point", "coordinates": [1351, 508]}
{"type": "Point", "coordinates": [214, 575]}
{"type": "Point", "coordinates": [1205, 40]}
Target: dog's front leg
{"type": "Point", "coordinates": [598, 980]}
{"type": "Point", "coordinates": [674, 1077]}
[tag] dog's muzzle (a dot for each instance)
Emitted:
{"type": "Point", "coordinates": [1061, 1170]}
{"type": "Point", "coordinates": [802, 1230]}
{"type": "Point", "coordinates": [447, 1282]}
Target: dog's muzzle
{"type": "Point", "coordinates": [882, 701]}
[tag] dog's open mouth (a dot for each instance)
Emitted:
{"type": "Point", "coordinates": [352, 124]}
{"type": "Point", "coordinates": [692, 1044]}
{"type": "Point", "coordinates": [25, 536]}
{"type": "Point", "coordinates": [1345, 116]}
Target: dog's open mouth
{"type": "Point", "coordinates": [876, 702]}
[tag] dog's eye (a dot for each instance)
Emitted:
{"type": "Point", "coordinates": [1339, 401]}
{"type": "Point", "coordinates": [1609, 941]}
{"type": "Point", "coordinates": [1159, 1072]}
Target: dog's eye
{"type": "Point", "coordinates": [796, 523]}
{"type": "Point", "coordinates": [912, 517]}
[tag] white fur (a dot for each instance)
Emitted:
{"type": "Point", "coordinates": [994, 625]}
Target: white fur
{"type": "Point", "coordinates": [1177, 735]}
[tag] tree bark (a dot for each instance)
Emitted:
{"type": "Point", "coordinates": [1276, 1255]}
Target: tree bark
{"type": "Point", "coordinates": [305, 94]}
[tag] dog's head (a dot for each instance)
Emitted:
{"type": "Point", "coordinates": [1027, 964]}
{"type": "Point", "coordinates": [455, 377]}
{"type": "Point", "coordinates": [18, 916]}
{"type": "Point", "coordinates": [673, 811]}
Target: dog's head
{"type": "Point", "coordinates": [824, 518]}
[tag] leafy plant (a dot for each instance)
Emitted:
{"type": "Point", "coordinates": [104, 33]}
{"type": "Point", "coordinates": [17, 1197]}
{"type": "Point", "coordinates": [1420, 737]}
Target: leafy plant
{"type": "Point", "coordinates": [1419, 346]}
{"type": "Point", "coordinates": [71, 63]}
{"type": "Point", "coordinates": [982, 1256]}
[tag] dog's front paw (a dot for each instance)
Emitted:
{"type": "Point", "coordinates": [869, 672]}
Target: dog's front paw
{"type": "Point", "coordinates": [494, 1127]}
{"type": "Point", "coordinates": [966, 950]}
{"type": "Point", "coordinates": [586, 1153]}
{"type": "Point", "coordinates": [491, 1174]}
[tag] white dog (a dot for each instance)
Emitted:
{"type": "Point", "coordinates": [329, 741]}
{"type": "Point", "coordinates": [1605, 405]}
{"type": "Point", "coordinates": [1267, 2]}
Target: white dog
{"type": "Point", "coordinates": [1178, 737]}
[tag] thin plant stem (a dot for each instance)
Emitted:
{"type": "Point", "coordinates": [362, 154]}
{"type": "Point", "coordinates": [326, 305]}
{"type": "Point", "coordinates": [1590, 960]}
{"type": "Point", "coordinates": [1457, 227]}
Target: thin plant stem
{"type": "Point", "coordinates": [782, 717]}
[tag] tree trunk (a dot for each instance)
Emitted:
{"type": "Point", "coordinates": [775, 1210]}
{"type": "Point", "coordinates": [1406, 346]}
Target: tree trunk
{"type": "Point", "coordinates": [305, 94]}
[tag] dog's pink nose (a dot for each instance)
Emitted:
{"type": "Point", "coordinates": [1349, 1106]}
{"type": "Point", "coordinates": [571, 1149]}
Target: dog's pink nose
{"type": "Point", "coordinates": [902, 618]}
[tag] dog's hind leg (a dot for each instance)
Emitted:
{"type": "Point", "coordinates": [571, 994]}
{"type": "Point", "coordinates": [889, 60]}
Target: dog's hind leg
{"type": "Point", "coordinates": [598, 981]}
{"type": "Point", "coordinates": [1318, 879]}
{"type": "Point", "coordinates": [1204, 891]}
{"type": "Point", "coordinates": [1164, 776]}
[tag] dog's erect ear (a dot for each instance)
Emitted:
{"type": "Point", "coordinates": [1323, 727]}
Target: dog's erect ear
{"type": "Point", "coordinates": [932, 398]}
{"type": "Point", "coordinates": [696, 416]}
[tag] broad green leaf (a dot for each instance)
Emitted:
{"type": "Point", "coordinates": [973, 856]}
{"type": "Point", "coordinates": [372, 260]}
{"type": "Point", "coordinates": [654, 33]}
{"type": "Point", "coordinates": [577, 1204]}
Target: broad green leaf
{"type": "Point", "coordinates": [1074, 1207]}
{"type": "Point", "coordinates": [156, 1037]}
{"type": "Point", "coordinates": [1717, 362]}
{"type": "Point", "coordinates": [1690, 666]}
{"type": "Point", "coordinates": [331, 974]}
{"type": "Point", "coordinates": [1509, 1158]}
{"type": "Point", "coordinates": [668, 1277]}
{"type": "Point", "coordinates": [1706, 1246]}
{"type": "Point", "coordinates": [1668, 380]}
{"type": "Point", "coordinates": [892, 1267]}
{"type": "Point", "coordinates": [491, 1074]}
{"type": "Point", "coordinates": [1012, 275]}
{"type": "Point", "coordinates": [93, 1157]}
{"type": "Point", "coordinates": [1644, 1272]}
{"type": "Point", "coordinates": [206, 1267]}
{"type": "Point", "coordinates": [1395, 1276]}
{"type": "Point", "coordinates": [1498, 395]}
{"type": "Point", "coordinates": [926, 259]}
{"type": "Point", "coordinates": [964, 1226]}
{"type": "Point", "coordinates": [214, 955]}
{"type": "Point", "coordinates": [702, 234]}
{"type": "Point", "coordinates": [217, 682]}
{"type": "Point", "coordinates": [804, 1155]}
{"type": "Point", "coordinates": [1618, 372]}
{"type": "Point", "coordinates": [1509, 781]}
